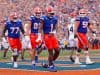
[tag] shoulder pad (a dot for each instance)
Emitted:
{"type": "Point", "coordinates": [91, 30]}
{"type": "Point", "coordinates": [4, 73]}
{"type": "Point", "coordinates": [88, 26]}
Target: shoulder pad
{"type": "Point", "coordinates": [7, 22]}
{"type": "Point", "coordinates": [19, 20]}
{"type": "Point", "coordinates": [43, 17]}
{"type": "Point", "coordinates": [31, 17]}
{"type": "Point", "coordinates": [55, 17]}
{"type": "Point", "coordinates": [87, 17]}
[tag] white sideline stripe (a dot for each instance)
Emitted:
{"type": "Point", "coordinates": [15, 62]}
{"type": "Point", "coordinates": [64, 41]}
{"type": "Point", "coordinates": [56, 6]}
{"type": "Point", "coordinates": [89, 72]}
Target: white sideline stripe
{"type": "Point", "coordinates": [75, 66]}
{"type": "Point", "coordinates": [83, 66]}
{"type": "Point", "coordinates": [9, 63]}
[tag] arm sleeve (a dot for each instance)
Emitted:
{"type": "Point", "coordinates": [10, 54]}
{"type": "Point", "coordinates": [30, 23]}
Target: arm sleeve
{"type": "Point", "coordinates": [5, 28]}
{"type": "Point", "coordinates": [22, 28]}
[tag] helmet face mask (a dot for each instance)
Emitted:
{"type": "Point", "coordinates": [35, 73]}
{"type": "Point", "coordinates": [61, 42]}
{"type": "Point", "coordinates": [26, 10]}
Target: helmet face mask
{"type": "Point", "coordinates": [82, 13]}
{"type": "Point", "coordinates": [37, 12]}
{"type": "Point", "coordinates": [13, 16]}
{"type": "Point", "coordinates": [37, 15]}
{"type": "Point", "coordinates": [14, 19]}
{"type": "Point", "coordinates": [50, 15]}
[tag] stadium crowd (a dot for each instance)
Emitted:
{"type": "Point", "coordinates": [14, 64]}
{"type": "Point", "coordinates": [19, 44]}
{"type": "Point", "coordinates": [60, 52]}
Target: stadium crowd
{"type": "Point", "coordinates": [62, 9]}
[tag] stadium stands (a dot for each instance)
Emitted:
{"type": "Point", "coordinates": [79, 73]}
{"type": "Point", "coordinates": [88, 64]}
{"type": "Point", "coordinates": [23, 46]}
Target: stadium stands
{"type": "Point", "coordinates": [62, 7]}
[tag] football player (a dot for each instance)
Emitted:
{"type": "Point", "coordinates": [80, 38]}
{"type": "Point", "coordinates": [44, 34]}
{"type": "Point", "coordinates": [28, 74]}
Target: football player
{"type": "Point", "coordinates": [81, 27]}
{"type": "Point", "coordinates": [14, 27]}
{"type": "Point", "coordinates": [49, 27]}
{"type": "Point", "coordinates": [34, 35]}
{"type": "Point", "coordinates": [26, 44]}
{"type": "Point", "coordinates": [72, 39]}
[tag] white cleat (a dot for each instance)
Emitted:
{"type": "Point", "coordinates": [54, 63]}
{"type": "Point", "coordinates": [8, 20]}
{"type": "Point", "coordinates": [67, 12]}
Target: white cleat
{"type": "Point", "coordinates": [15, 65]}
{"type": "Point", "coordinates": [89, 62]}
{"type": "Point", "coordinates": [78, 63]}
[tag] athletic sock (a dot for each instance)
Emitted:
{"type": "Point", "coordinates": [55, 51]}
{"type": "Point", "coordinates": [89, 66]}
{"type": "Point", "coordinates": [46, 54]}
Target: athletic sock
{"type": "Point", "coordinates": [36, 58]}
{"type": "Point", "coordinates": [33, 62]}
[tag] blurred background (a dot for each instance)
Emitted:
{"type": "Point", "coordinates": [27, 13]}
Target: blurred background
{"type": "Point", "coordinates": [62, 10]}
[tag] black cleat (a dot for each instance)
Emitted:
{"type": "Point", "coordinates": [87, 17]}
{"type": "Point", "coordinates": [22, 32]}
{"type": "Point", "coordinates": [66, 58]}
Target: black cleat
{"type": "Point", "coordinates": [52, 69]}
{"type": "Point", "coordinates": [72, 59]}
{"type": "Point", "coordinates": [45, 65]}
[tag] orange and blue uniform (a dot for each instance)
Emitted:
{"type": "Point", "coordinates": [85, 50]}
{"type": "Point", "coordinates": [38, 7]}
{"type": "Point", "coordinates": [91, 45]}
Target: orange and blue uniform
{"type": "Point", "coordinates": [82, 30]}
{"type": "Point", "coordinates": [14, 29]}
{"type": "Point", "coordinates": [35, 22]}
{"type": "Point", "coordinates": [51, 41]}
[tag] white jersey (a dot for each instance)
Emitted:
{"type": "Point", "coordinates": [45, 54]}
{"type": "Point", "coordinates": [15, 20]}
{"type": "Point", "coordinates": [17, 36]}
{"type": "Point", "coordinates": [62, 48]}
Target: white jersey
{"type": "Point", "coordinates": [26, 41]}
{"type": "Point", "coordinates": [71, 28]}
{"type": "Point", "coordinates": [26, 44]}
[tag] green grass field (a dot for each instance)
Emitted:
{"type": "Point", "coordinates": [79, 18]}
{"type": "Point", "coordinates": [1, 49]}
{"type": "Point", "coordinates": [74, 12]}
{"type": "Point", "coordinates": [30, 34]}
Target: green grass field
{"type": "Point", "coordinates": [63, 53]}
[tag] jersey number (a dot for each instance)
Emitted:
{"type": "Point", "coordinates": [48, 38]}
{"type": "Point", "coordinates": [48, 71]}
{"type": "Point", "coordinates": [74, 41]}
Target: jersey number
{"type": "Point", "coordinates": [36, 25]}
{"type": "Point", "coordinates": [71, 29]}
{"type": "Point", "coordinates": [51, 27]}
{"type": "Point", "coordinates": [14, 30]}
{"type": "Point", "coordinates": [85, 24]}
